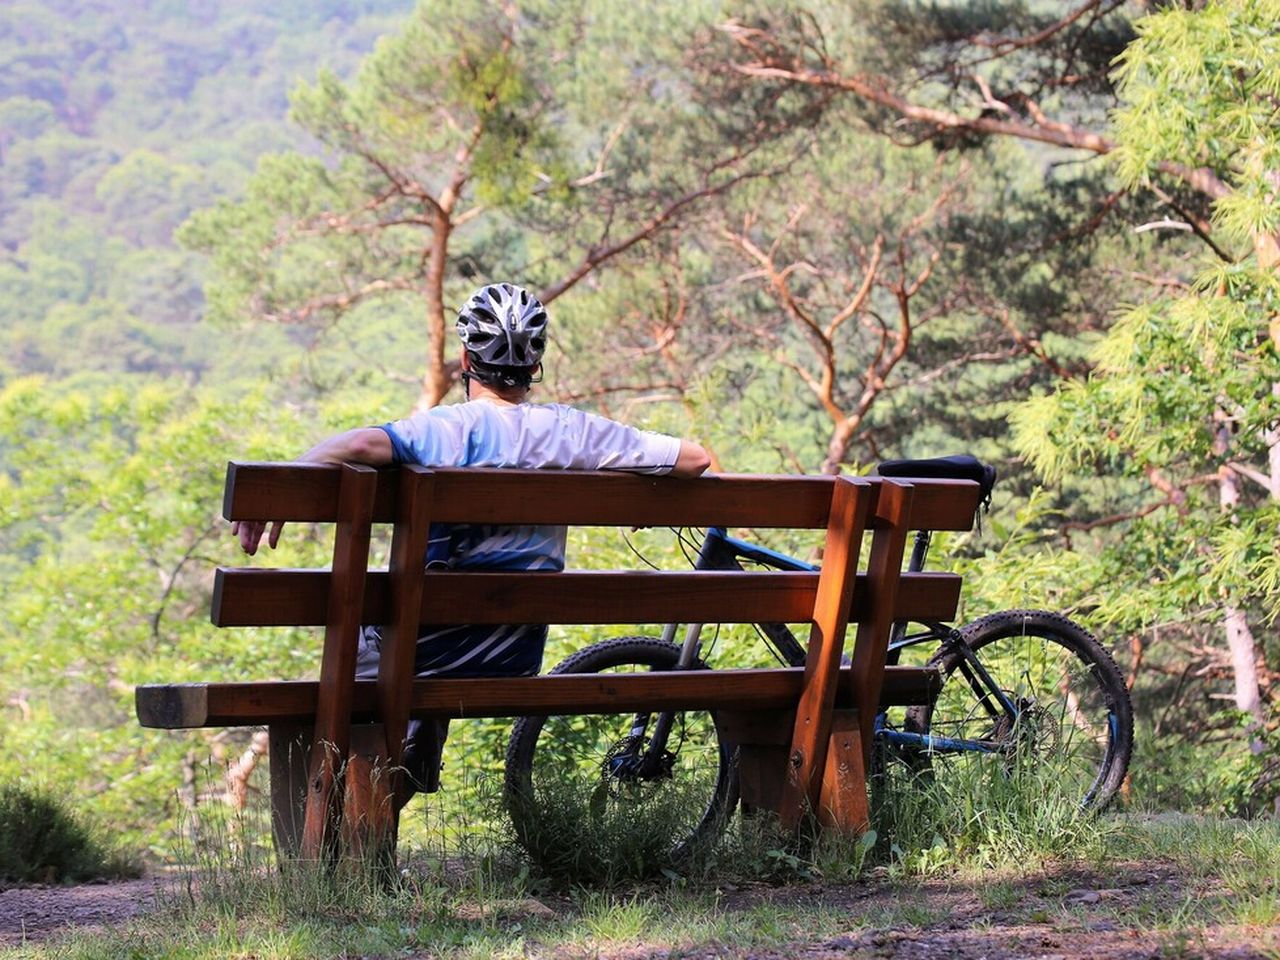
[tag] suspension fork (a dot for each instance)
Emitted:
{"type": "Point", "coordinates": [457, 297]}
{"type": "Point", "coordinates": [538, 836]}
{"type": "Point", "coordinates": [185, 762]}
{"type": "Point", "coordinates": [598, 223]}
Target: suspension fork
{"type": "Point", "coordinates": [985, 689]}
{"type": "Point", "coordinates": [979, 680]}
{"type": "Point", "coordinates": [666, 720]}
{"type": "Point", "coordinates": [711, 556]}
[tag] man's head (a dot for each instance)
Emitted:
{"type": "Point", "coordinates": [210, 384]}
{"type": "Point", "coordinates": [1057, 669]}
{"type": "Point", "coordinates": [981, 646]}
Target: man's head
{"type": "Point", "coordinates": [503, 329]}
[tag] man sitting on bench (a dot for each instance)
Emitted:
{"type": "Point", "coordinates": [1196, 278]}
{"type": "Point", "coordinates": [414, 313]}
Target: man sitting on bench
{"type": "Point", "coordinates": [503, 329]}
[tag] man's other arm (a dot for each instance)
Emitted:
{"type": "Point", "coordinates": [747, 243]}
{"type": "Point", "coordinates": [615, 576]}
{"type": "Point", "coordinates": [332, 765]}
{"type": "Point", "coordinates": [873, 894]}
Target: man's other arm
{"type": "Point", "coordinates": [692, 461]}
{"type": "Point", "coordinates": [367, 445]}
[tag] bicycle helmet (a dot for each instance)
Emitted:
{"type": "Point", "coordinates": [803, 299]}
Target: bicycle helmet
{"type": "Point", "coordinates": [504, 325]}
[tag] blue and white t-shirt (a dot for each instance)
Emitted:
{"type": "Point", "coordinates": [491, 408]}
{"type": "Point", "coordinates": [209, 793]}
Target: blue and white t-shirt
{"type": "Point", "coordinates": [484, 433]}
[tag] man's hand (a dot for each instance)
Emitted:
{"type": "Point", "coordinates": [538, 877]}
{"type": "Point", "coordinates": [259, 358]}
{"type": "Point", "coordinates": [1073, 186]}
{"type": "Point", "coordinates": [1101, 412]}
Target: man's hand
{"type": "Point", "coordinates": [250, 533]}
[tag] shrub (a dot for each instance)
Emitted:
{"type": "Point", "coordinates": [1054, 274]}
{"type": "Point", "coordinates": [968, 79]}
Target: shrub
{"type": "Point", "coordinates": [42, 841]}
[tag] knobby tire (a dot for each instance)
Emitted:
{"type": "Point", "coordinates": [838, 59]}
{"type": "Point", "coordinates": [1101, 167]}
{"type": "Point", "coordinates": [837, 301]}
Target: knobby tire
{"type": "Point", "coordinates": [551, 757]}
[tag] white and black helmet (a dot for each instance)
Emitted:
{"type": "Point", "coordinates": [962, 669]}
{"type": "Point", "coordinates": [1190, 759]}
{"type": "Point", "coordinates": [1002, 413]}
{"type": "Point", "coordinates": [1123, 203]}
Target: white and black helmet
{"type": "Point", "coordinates": [504, 325]}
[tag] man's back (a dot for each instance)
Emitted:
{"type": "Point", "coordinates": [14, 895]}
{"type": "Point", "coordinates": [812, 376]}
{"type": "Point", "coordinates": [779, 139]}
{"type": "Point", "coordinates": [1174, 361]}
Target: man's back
{"type": "Point", "coordinates": [490, 433]}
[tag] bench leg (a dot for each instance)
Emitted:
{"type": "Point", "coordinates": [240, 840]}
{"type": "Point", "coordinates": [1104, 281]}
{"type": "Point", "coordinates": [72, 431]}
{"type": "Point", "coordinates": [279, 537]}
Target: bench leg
{"type": "Point", "coordinates": [370, 815]}
{"type": "Point", "coordinates": [289, 746]}
{"type": "Point", "coordinates": [370, 811]}
{"type": "Point", "coordinates": [843, 805]}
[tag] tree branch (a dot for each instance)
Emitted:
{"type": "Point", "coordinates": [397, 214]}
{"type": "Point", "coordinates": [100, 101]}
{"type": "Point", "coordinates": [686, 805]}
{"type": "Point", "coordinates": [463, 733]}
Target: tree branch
{"type": "Point", "coordinates": [340, 301]}
{"type": "Point", "coordinates": [598, 255]}
{"type": "Point", "coordinates": [876, 90]}
{"type": "Point", "coordinates": [1249, 473]}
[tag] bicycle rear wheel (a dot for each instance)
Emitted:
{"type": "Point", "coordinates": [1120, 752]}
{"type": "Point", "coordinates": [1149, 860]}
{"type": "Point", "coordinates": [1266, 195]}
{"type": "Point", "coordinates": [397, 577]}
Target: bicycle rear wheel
{"type": "Point", "coordinates": [576, 786]}
{"type": "Point", "coordinates": [1073, 720]}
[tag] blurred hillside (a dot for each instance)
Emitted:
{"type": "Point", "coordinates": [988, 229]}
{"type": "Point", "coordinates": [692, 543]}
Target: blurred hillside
{"type": "Point", "coordinates": [117, 120]}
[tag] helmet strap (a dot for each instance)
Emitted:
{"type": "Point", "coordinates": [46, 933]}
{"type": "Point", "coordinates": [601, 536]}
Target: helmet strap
{"type": "Point", "coordinates": [501, 378]}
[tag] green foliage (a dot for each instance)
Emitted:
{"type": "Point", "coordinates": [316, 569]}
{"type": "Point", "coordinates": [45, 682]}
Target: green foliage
{"type": "Point", "coordinates": [44, 840]}
{"type": "Point", "coordinates": [109, 534]}
{"type": "Point", "coordinates": [1199, 89]}
{"type": "Point", "coordinates": [582, 838]}
{"type": "Point", "coordinates": [1182, 402]}
{"type": "Point", "coordinates": [542, 143]}
{"type": "Point", "coordinates": [109, 138]}
{"type": "Point", "coordinates": [584, 122]}
{"type": "Point", "coordinates": [972, 814]}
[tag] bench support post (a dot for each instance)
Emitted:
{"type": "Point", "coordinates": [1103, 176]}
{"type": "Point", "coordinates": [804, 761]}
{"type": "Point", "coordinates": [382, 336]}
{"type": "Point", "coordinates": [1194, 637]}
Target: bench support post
{"type": "Point", "coordinates": [812, 730]}
{"type": "Point", "coordinates": [399, 647]}
{"type": "Point", "coordinates": [369, 809]}
{"type": "Point", "coordinates": [844, 805]}
{"type": "Point", "coordinates": [332, 740]}
{"type": "Point", "coordinates": [289, 752]}
{"type": "Point", "coordinates": [871, 644]}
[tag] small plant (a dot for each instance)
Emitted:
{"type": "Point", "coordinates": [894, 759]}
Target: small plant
{"type": "Point", "coordinates": [616, 919]}
{"type": "Point", "coordinates": [43, 841]}
{"type": "Point", "coordinates": [594, 838]}
{"type": "Point", "coordinates": [1001, 895]}
{"type": "Point", "coordinates": [757, 848]}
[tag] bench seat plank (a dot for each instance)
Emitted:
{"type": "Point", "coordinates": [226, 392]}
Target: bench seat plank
{"type": "Point", "coordinates": [245, 597]}
{"type": "Point", "coordinates": [189, 705]}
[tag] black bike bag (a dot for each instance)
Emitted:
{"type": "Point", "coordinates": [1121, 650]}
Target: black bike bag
{"type": "Point", "coordinates": [962, 466]}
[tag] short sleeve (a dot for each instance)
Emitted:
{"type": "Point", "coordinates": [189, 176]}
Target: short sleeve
{"type": "Point", "coordinates": [400, 451]}
{"type": "Point", "coordinates": [431, 438]}
{"type": "Point", "coordinates": [616, 446]}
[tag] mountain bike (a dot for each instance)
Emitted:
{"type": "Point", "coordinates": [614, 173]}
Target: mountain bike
{"type": "Point", "coordinates": [1017, 684]}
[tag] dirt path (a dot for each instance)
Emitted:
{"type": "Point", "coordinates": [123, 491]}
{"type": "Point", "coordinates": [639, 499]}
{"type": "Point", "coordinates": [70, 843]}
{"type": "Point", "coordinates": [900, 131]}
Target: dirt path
{"type": "Point", "coordinates": [1121, 913]}
{"type": "Point", "coordinates": [32, 914]}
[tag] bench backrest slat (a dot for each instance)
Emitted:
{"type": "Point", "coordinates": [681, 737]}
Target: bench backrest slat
{"type": "Point", "coordinates": [309, 492]}
{"type": "Point", "coordinates": [247, 597]}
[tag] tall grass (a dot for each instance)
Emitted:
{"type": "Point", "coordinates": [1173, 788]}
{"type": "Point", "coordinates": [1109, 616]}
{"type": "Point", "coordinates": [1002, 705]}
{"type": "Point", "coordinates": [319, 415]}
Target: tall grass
{"type": "Point", "coordinates": [974, 812]}
{"type": "Point", "coordinates": [465, 886]}
{"type": "Point", "coordinates": [575, 835]}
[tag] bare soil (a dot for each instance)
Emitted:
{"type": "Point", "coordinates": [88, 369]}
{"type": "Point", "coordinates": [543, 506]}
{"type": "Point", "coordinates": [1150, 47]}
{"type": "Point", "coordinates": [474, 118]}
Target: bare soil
{"type": "Point", "coordinates": [1130, 911]}
{"type": "Point", "coordinates": [31, 914]}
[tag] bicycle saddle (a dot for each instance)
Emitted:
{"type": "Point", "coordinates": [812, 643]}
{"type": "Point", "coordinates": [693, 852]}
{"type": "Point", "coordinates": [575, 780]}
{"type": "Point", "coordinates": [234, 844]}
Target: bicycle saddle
{"type": "Point", "coordinates": [962, 466]}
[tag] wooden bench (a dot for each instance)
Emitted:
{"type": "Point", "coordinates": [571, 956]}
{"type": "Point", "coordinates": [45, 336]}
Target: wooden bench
{"type": "Point", "coordinates": [815, 764]}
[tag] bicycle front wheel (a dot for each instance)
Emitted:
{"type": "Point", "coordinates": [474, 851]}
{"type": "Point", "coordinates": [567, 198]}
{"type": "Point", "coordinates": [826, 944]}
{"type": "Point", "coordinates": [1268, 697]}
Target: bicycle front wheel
{"type": "Point", "coordinates": [1070, 715]}
{"type": "Point", "coordinates": [589, 793]}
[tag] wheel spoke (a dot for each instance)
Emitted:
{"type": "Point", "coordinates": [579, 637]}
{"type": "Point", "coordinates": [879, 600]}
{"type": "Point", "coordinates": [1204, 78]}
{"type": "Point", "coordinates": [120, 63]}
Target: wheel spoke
{"type": "Point", "coordinates": [1065, 693]}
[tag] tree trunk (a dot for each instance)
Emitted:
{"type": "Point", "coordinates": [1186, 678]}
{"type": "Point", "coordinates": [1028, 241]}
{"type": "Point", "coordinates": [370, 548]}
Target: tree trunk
{"type": "Point", "coordinates": [1240, 642]}
{"type": "Point", "coordinates": [838, 446]}
{"type": "Point", "coordinates": [436, 379]}
{"type": "Point", "coordinates": [238, 773]}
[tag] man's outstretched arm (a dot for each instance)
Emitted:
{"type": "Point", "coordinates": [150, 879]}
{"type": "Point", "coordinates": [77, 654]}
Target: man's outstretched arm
{"type": "Point", "coordinates": [367, 445]}
{"type": "Point", "coordinates": [692, 461]}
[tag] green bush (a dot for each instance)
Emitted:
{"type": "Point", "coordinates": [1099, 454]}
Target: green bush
{"type": "Point", "coordinates": [42, 841]}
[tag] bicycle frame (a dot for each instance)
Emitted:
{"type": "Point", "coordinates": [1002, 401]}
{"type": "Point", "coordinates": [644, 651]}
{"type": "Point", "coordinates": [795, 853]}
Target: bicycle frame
{"type": "Point", "coordinates": [720, 551]}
